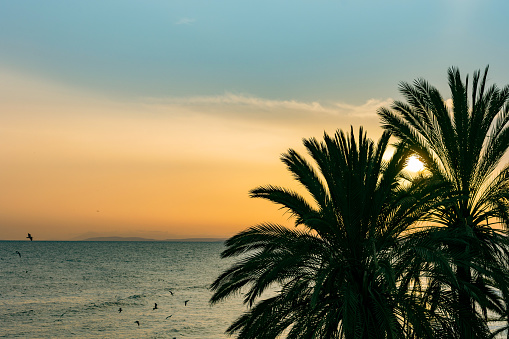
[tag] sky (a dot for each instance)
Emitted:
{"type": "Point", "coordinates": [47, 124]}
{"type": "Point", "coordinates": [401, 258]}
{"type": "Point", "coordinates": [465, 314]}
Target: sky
{"type": "Point", "coordinates": [155, 118]}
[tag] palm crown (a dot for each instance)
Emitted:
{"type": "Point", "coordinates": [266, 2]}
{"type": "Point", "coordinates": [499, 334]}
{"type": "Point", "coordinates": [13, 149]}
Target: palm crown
{"type": "Point", "coordinates": [337, 271]}
{"type": "Point", "coordinates": [462, 144]}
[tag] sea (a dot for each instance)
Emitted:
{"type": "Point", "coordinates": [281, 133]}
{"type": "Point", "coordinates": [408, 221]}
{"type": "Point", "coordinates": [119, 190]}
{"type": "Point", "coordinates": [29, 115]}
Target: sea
{"type": "Point", "coordinates": [75, 289]}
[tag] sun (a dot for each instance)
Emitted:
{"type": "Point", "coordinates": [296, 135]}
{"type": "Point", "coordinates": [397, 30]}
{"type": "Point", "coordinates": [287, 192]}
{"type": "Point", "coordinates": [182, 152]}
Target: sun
{"type": "Point", "coordinates": [414, 164]}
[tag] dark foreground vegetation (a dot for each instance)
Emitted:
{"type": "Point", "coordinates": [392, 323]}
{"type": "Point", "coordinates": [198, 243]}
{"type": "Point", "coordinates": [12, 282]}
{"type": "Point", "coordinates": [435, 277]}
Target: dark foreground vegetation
{"type": "Point", "coordinates": [378, 252]}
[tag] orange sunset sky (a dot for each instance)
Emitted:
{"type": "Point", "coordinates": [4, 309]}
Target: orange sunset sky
{"type": "Point", "coordinates": [155, 119]}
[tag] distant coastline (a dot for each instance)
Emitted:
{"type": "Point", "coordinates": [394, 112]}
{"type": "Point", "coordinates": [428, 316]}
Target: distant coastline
{"type": "Point", "coordinates": [131, 239]}
{"type": "Point", "coordinates": [148, 239]}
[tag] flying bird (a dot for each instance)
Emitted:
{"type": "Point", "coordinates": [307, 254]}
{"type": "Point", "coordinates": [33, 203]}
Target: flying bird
{"type": "Point", "coordinates": [169, 316]}
{"type": "Point", "coordinates": [119, 309]}
{"type": "Point", "coordinates": [18, 253]}
{"type": "Point", "coordinates": [30, 237]}
{"type": "Point", "coordinates": [137, 322]}
{"type": "Point", "coordinates": [185, 302]}
{"type": "Point", "coordinates": [171, 292]}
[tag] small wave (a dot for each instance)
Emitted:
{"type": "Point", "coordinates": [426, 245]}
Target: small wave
{"type": "Point", "coordinates": [21, 313]}
{"type": "Point", "coordinates": [136, 296]}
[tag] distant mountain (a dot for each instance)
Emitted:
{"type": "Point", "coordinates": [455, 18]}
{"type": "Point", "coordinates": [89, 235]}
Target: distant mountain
{"type": "Point", "coordinates": [118, 239]}
{"type": "Point", "coordinates": [146, 239]}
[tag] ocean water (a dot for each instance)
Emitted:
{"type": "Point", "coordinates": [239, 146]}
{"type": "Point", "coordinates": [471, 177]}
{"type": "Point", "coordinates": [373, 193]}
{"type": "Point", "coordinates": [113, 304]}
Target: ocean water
{"type": "Point", "coordinates": [75, 289]}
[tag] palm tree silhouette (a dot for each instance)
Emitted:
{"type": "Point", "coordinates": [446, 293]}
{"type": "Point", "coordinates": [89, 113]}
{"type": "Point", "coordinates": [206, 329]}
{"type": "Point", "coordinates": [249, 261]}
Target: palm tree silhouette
{"type": "Point", "coordinates": [462, 144]}
{"type": "Point", "coordinates": [339, 272]}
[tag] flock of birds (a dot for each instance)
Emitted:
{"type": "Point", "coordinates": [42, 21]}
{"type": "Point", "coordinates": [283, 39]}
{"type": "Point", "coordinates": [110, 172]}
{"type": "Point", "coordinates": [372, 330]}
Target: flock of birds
{"type": "Point", "coordinates": [120, 308]}
{"type": "Point", "coordinates": [155, 308]}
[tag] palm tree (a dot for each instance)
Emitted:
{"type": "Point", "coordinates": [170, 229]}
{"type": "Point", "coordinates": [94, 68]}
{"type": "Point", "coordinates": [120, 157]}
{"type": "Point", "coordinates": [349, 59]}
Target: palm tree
{"type": "Point", "coordinates": [462, 144]}
{"type": "Point", "coordinates": [339, 273]}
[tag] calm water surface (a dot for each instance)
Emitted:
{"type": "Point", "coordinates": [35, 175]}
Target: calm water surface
{"type": "Point", "coordinates": [75, 289]}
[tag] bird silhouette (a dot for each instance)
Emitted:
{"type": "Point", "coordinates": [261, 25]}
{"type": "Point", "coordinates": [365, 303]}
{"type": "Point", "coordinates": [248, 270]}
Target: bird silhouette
{"type": "Point", "coordinates": [155, 306]}
{"type": "Point", "coordinates": [119, 309]}
{"type": "Point", "coordinates": [30, 237]}
{"type": "Point", "coordinates": [18, 253]}
{"type": "Point", "coordinates": [169, 316]}
{"type": "Point", "coordinates": [185, 302]}
{"type": "Point", "coordinates": [137, 322]}
{"type": "Point", "coordinates": [171, 292]}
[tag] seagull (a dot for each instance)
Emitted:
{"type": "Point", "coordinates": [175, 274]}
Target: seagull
{"type": "Point", "coordinates": [155, 306]}
{"type": "Point", "coordinates": [137, 322]}
{"type": "Point", "coordinates": [169, 316]}
{"type": "Point", "coordinates": [171, 292]}
{"type": "Point", "coordinates": [119, 309]}
{"type": "Point", "coordinates": [185, 302]}
{"type": "Point", "coordinates": [30, 237]}
{"type": "Point", "coordinates": [18, 253]}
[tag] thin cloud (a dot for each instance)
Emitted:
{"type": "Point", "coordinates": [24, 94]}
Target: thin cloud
{"type": "Point", "coordinates": [368, 108]}
{"type": "Point", "coordinates": [249, 101]}
{"type": "Point", "coordinates": [185, 21]}
{"type": "Point", "coordinates": [289, 119]}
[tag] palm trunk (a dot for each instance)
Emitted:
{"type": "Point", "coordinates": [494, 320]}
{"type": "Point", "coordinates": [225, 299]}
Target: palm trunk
{"type": "Point", "coordinates": [464, 317]}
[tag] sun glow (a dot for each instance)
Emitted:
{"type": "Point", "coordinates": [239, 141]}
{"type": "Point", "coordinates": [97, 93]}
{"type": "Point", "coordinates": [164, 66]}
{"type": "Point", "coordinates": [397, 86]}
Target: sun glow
{"type": "Point", "coordinates": [414, 164]}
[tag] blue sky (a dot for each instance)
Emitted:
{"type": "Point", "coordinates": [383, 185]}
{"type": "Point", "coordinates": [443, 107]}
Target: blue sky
{"type": "Point", "coordinates": [306, 50]}
{"type": "Point", "coordinates": [163, 114]}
